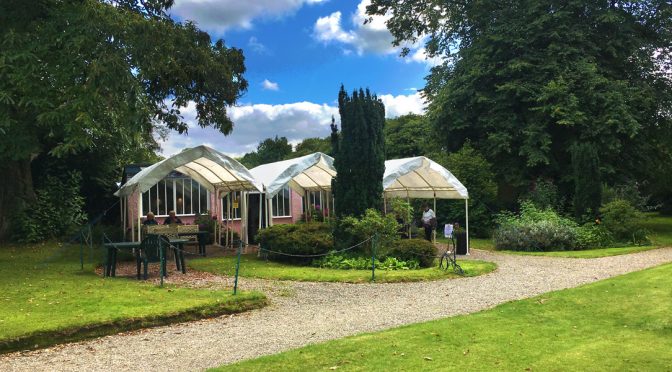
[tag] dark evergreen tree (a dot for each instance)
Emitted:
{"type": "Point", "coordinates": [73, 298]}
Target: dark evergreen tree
{"type": "Point", "coordinates": [588, 187]}
{"type": "Point", "coordinates": [334, 136]}
{"type": "Point", "coordinates": [360, 159]}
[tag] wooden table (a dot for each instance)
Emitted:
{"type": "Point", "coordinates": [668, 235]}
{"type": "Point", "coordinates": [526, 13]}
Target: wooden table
{"type": "Point", "coordinates": [113, 247]}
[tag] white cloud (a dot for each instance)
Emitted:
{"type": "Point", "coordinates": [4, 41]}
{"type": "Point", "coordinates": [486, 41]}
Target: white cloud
{"type": "Point", "coordinates": [370, 37]}
{"type": "Point", "coordinates": [269, 85]}
{"type": "Point", "coordinates": [257, 46]}
{"type": "Point", "coordinates": [296, 121]}
{"type": "Point", "coordinates": [221, 15]}
{"type": "Point", "coordinates": [402, 104]}
{"type": "Point", "coordinates": [366, 35]}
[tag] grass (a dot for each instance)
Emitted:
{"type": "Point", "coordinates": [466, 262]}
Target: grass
{"type": "Point", "coordinates": [617, 324]}
{"type": "Point", "coordinates": [44, 304]}
{"type": "Point", "coordinates": [660, 228]}
{"type": "Point", "coordinates": [251, 266]}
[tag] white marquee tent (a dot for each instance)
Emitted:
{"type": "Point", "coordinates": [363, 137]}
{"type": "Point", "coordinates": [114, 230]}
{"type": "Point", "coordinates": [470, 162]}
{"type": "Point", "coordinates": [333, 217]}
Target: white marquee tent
{"type": "Point", "coordinates": [307, 173]}
{"type": "Point", "coordinates": [215, 171]}
{"type": "Point", "coordinates": [421, 177]}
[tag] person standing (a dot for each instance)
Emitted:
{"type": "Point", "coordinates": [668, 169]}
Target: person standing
{"type": "Point", "coordinates": [428, 221]}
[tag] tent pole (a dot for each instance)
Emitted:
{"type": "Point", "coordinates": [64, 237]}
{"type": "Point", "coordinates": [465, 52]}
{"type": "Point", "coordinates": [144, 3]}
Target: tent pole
{"type": "Point", "coordinates": [408, 200]}
{"type": "Point", "coordinates": [139, 213]}
{"type": "Point", "coordinates": [437, 220]}
{"type": "Point", "coordinates": [466, 216]}
{"type": "Point", "coordinates": [260, 208]}
{"type": "Point", "coordinates": [228, 216]}
{"type": "Point", "coordinates": [269, 211]}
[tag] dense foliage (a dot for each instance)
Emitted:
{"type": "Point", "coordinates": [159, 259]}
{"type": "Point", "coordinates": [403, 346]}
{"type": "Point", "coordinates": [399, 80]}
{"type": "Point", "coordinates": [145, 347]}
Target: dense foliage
{"type": "Point", "coordinates": [414, 249]}
{"type": "Point", "coordinates": [587, 185]}
{"type": "Point", "coordinates": [310, 238]}
{"type": "Point", "coordinates": [407, 136]}
{"type": "Point", "coordinates": [623, 221]}
{"type": "Point", "coordinates": [525, 80]}
{"type": "Point", "coordinates": [99, 76]}
{"type": "Point", "coordinates": [360, 158]}
{"type": "Point", "coordinates": [268, 151]}
{"type": "Point", "coordinates": [478, 176]}
{"type": "Point", "coordinates": [59, 210]}
{"type": "Point", "coordinates": [385, 228]}
{"type": "Point", "coordinates": [536, 229]}
{"type": "Point", "coordinates": [353, 262]}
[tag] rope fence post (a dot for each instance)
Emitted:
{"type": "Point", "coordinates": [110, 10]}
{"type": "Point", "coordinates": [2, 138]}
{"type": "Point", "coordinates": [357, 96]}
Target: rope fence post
{"type": "Point", "coordinates": [373, 257]}
{"type": "Point", "coordinates": [235, 281]}
{"type": "Point", "coordinates": [161, 262]}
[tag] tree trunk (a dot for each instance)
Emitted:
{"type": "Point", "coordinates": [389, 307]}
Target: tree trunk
{"type": "Point", "coordinates": [16, 192]}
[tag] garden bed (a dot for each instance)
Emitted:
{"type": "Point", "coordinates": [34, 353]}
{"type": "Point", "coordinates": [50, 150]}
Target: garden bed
{"type": "Point", "coordinates": [253, 267]}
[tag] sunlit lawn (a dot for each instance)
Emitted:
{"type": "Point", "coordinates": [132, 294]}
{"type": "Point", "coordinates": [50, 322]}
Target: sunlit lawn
{"type": "Point", "coordinates": [45, 303]}
{"type": "Point", "coordinates": [251, 266]}
{"type": "Point", "coordinates": [620, 324]}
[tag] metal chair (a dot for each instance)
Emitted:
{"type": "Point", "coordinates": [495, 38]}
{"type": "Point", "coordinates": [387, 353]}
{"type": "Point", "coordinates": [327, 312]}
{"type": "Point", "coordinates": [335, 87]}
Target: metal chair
{"type": "Point", "coordinates": [152, 249]}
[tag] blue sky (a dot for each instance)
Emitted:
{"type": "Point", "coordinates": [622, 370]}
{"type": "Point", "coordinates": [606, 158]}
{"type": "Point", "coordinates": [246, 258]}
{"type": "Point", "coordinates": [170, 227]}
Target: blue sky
{"type": "Point", "coordinates": [298, 52]}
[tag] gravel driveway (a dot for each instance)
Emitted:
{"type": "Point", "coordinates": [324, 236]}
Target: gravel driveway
{"type": "Point", "coordinates": [305, 313]}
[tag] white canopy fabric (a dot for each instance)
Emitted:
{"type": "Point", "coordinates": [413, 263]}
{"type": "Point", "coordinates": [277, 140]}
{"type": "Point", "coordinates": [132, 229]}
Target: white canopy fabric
{"type": "Point", "coordinates": [308, 173]}
{"type": "Point", "coordinates": [207, 166]}
{"type": "Point", "coordinates": [421, 177]}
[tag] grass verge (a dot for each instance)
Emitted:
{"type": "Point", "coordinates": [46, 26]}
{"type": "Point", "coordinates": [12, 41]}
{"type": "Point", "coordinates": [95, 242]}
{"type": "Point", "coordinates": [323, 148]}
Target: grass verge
{"type": "Point", "coordinates": [617, 324]}
{"type": "Point", "coordinates": [251, 266]}
{"type": "Point", "coordinates": [47, 299]}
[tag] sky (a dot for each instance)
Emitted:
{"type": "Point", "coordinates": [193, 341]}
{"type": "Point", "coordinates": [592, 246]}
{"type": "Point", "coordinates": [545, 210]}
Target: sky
{"type": "Point", "coordinates": [297, 55]}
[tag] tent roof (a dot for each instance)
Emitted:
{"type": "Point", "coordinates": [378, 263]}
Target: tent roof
{"type": "Point", "coordinates": [308, 173]}
{"type": "Point", "coordinates": [209, 167]}
{"type": "Point", "coordinates": [421, 177]}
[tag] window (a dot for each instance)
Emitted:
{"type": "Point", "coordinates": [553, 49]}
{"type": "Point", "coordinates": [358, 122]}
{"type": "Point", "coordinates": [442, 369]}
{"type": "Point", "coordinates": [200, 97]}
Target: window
{"type": "Point", "coordinates": [236, 204]}
{"type": "Point", "coordinates": [183, 195]}
{"type": "Point", "coordinates": [320, 200]}
{"type": "Point", "coordinates": [281, 203]}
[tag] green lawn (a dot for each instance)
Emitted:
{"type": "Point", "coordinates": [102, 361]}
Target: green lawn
{"type": "Point", "coordinates": [619, 324]}
{"type": "Point", "coordinates": [251, 266]}
{"type": "Point", "coordinates": [660, 228]}
{"type": "Point", "coordinates": [43, 304]}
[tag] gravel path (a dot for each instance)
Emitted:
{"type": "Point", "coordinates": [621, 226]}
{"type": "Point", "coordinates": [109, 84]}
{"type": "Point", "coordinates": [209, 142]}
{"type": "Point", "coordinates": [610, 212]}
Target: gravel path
{"type": "Point", "coordinates": [304, 313]}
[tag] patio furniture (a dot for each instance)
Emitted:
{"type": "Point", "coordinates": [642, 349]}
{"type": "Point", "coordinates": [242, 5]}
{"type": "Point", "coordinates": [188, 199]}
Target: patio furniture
{"type": "Point", "coordinates": [113, 247]}
{"type": "Point", "coordinates": [152, 249]}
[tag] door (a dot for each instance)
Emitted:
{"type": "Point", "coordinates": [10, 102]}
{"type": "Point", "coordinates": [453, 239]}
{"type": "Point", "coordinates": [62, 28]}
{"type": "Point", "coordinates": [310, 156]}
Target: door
{"type": "Point", "coordinates": [253, 216]}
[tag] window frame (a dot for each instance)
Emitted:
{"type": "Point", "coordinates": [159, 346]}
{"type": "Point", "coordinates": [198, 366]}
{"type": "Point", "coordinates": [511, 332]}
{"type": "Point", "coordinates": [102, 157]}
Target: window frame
{"type": "Point", "coordinates": [154, 190]}
{"type": "Point", "coordinates": [287, 210]}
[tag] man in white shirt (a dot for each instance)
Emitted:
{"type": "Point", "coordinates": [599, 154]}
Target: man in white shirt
{"type": "Point", "coordinates": [428, 221]}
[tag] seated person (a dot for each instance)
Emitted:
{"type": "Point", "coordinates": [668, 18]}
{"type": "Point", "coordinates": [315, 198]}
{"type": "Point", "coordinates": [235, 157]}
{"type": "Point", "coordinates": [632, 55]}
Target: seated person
{"type": "Point", "coordinates": [172, 219]}
{"type": "Point", "coordinates": [150, 220]}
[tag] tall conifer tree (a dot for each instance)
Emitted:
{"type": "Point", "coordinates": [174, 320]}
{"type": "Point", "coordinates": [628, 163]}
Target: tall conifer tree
{"type": "Point", "coordinates": [360, 159]}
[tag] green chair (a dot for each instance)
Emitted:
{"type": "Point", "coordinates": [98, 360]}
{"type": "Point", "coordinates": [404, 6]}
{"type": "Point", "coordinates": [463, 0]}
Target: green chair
{"type": "Point", "coordinates": [152, 249]}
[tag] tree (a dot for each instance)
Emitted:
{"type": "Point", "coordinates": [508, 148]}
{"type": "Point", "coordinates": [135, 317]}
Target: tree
{"type": "Point", "coordinates": [477, 175]}
{"type": "Point", "coordinates": [408, 135]}
{"type": "Point", "coordinates": [312, 145]}
{"type": "Point", "coordinates": [588, 187]}
{"type": "Point", "coordinates": [360, 160]}
{"type": "Point", "coordinates": [525, 80]}
{"type": "Point", "coordinates": [80, 76]}
{"type": "Point", "coordinates": [268, 151]}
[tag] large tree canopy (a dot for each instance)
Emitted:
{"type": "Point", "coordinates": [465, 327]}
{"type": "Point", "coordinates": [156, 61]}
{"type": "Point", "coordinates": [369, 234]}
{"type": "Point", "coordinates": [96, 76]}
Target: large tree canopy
{"type": "Point", "coordinates": [524, 80]}
{"type": "Point", "coordinates": [77, 76]}
{"type": "Point", "coordinates": [268, 151]}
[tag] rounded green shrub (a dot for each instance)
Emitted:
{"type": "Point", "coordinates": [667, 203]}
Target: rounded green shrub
{"type": "Point", "coordinates": [623, 221]}
{"type": "Point", "coordinates": [414, 249]}
{"type": "Point", "coordinates": [296, 239]}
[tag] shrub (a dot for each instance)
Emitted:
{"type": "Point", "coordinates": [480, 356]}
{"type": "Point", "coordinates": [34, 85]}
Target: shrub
{"type": "Point", "coordinates": [535, 229]}
{"type": "Point", "coordinates": [591, 235]}
{"type": "Point", "coordinates": [623, 221]}
{"type": "Point", "coordinates": [372, 223]}
{"type": "Point", "coordinates": [629, 191]}
{"type": "Point", "coordinates": [344, 262]}
{"type": "Point", "coordinates": [57, 212]}
{"type": "Point", "coordinates": [414, 249]}
{"type": "Point", "coordinates": [297, 239]}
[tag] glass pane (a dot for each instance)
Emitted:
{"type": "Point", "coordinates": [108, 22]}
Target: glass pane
{"type": "Point", "coordinates": [158, 195]}
{"type": "Point", "coordinates": [187, 196]}
{"type": "Point", "coordinates": [204, 199]}
{"type": "Point", "coordinates": [179, 196]}
{"type": "Point", "coordinates": [287, 199]}
{"type": "Point", "coordinates": [170, 201]}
